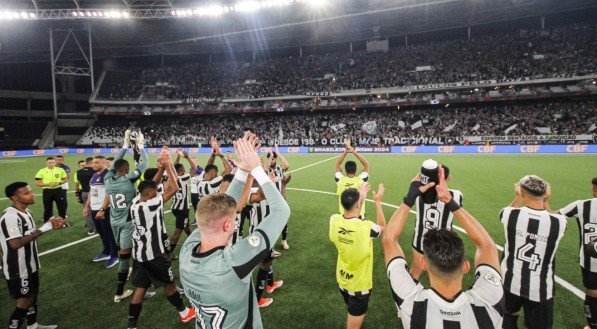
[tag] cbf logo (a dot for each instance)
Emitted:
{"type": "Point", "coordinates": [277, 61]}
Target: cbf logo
{"type": "Point", "coordinates": [424, 179]}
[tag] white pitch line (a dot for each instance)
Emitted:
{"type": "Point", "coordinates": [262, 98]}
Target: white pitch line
{"type": "Point", "coordinates": [558, 280]}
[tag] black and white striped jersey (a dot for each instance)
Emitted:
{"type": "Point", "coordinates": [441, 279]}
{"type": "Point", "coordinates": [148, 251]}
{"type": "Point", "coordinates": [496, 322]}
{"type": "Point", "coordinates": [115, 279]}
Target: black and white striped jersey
{"type": "Point", "coordinates": [532, 238]}
{"type": "Point", "coordinates": [149, 237]}
{"type": "Point", "coordinates": [479, 307]}
{"type": "Point", "coordinates": [180, 200]}
{"type": "Point", "coordinates": [432, 216]}
{"type": "Point", "coordinates": [22, 262]}
{"type": "Point", "coordinates": [195, 180]}
{"type": "Point", "coordinates": [585, 211]}
{"type": "Point", "coordinates": [279, 175]}
{"type": "Point", "coordinates": [209, 187]}
{"type": "Point", "coordinates": [259, 212]}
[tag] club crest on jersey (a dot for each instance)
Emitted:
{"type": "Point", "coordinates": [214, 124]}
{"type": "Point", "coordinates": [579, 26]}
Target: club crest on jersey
{"type": "Point", "coordinates": [494, 280]}
{"type": "Point", "coordinates": [424, 179]}
{"type": "Point", "coordinates": [254, 241]}
{"type": "Point", "coordinates": [56, 175]}
{"type": "Point", "coordinates": [24, 290]}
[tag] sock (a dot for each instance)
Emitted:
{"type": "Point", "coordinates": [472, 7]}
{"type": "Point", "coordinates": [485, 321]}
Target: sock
{"type": "Point", "coordinates": [591, 311]}
{"type": "Point", "coordinates": [123, 271]}
{"type": "Point", "coordinates": [270, 276]}
{"type": "Point", "coordinates": [285, 232]}
{"type": "Point", "coordinates": [176, 300]}
{"type": "Point", "coordinates": [134, 312]}
{"type": "Point", "coordinates": [261, 280]}
{"type": "Point", "coordinates": [17, 318]}
{"type": "Point", "coordinates": [32, 317]}
{"type": "Point", "coordinates": [184, 313]}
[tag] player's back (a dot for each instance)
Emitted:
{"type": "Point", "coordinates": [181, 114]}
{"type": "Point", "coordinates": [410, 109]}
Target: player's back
{"type": "Point", "coordinates": [121, 192]}
{"type": "Point", "coordinates": [221, 298]}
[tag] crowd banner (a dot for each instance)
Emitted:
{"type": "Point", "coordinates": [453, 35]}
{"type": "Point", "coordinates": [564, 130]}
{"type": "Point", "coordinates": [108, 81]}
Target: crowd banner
{"type": "Point", "coordinates": [405, 149]}
{"type": "Point", "coordinates": [533, 139]}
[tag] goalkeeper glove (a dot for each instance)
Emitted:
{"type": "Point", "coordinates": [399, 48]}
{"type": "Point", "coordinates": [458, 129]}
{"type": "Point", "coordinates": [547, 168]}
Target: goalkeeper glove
{"type": "Point", "coordinates": [127, 139]}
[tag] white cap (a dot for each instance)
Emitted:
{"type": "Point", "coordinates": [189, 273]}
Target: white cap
{"type": "Point", "coordinates": [430, 164]}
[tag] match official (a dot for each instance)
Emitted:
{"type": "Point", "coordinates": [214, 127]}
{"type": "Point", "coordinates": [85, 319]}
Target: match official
{"type": "Point", "coordinates": [50, 179]}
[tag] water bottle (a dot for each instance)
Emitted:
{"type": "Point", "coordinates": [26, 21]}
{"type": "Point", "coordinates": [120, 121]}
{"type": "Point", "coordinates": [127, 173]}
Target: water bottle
{"type": "Point", "coordinates": [429, 173]}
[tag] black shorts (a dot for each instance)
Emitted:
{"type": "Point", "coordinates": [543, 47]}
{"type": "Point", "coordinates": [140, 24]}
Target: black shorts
{"type": "Point", "coordinates": [182, 218]}
{"type": "Point", "coordinates": [357, 303]}
{"type": "Point", "coordinates": [536, 314]}
{"type": "Point", "coordinates": [195, 200]}
{"type": "Point", "coordinates": [589, 279]}
{"type": "Point", "coordinates": [157, 271]}
{"type": "Point", "coordinates": [23, 288]}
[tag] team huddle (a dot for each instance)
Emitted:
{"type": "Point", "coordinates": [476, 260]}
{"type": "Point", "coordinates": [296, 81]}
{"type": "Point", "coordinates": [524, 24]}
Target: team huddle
{"type": "Point", "coordinates": [217, 260]}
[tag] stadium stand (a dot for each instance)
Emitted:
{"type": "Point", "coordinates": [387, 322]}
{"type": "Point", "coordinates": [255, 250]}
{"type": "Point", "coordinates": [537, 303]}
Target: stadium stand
{"type": "Point", "coordinates": [20, 134]}
{"type": "Point", "coordinates": [559, 52]}
{"type": "Point", "coordinates": [552, 118]}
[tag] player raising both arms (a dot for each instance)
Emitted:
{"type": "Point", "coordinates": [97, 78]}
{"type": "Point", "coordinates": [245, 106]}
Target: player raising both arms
{"type": "Point", "coordinates": [217, 277]}
{"type": "Point", "coordinates": [180, 203]}
{"type": "Point", "coordinates": [210, 180]}
{"type": "Point", "coordinates": [430, 216]}
{"type": "Point", "coordinates": [120, 192]}
{"type": "Point", "coordinates": [278, 170]}
{"type": "Point", "coordinates": [445, 305]}
{"type": "Point", "coordinates": [351, 180]}
{"type": "Point", "coordinates": [150, 246]}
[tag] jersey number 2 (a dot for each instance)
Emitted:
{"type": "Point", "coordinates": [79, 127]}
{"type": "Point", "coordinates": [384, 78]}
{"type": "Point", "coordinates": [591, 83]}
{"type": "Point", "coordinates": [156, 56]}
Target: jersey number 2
{"type": "Point", "coordinates": [118, 201]}
{"type": "Point", "coordinates": [533, 259]}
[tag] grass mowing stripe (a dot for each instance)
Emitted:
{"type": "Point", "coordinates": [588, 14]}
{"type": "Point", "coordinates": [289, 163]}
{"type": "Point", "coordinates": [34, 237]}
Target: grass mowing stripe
{"type": "Point", "coordinates": [313, 164]}
{"type": "Point", "coordinates": [558, 280]}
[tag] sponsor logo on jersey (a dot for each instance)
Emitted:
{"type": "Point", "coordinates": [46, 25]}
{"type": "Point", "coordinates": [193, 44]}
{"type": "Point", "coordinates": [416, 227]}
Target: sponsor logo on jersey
{"type": "Point", "coordinates": [344, 231]}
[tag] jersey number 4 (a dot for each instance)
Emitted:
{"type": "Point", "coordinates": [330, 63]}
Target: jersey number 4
{"type": "Point", "coordinates": [118, 201]}
{"type": "Point", "coordinates": [526, 254]}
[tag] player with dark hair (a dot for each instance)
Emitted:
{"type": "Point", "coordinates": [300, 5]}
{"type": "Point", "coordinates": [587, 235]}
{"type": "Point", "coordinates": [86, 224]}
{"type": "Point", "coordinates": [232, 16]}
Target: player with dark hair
{"type": "Point", "coordinates": [180, 203]}
{"type": "Point", "coordinates": [585, 212]}
{"type": "Point", "coordinates": [50, 180]}
{"type": "Point", "coordinates": [120, 191]}
{"type": "Point", "coordinates": [445, 305]}
{"type": "Point", "coordinates": [351, 179]}
{"type": "Point", "coordinates": [82, 179]}
{"type": "Point", "coordinates": [224, 298]}
{"type": "Point", "coordinates": [151, 246]}
{"type": "Point", "coordinates": [352, 236]}
{"type": "Point", "coordinates": [60, 164]}
{"type": "Point", "coordinates": [532, 238]}
{"type": "Point", "coordinates": [109, 161]}
{"type": "Point", "coordinates": [278, 171]}
{"type": "Point", "coordinates": [210, 180]}
{"type": "Point", "coordinates": [20, 259]}
{"type": "Point", "coordinates": [429, 217]}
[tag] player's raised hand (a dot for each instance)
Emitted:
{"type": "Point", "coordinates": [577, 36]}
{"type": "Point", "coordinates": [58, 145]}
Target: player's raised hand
{"type": "Point", "coordinates": [140, 140]}
{"type": "Point", "coordinates": [415, 190]}
{"type": "Point", "coordinates": [363, 191]}
{"type": "Point", "coordinates": [180, 152]}
{"type": "Point", "coordinates": [249, 159]}
{"type": "Point", "coordinates": [443, 193]}
{"type": "Point", "coordinates": [378, 196]}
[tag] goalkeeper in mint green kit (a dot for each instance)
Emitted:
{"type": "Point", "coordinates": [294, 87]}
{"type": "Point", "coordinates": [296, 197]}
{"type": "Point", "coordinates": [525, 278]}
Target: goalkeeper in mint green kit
{"type": "Point", "coordinates": [120, 191]}
{"type": "Point", "coordinates": [217, 277]}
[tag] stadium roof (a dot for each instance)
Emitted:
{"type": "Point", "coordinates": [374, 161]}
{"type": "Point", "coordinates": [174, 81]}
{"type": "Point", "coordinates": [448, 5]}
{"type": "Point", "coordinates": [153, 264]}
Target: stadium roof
{"type": "Point", "coordinates": [298, 23]}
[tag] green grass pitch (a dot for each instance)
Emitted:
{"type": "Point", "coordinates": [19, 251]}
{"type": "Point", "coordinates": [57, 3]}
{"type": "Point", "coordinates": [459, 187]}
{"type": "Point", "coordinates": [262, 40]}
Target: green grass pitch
{"type": "Point", "coordinates": [76, 293]}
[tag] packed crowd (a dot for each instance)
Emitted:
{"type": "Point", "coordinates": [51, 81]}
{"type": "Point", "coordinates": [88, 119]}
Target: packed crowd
{"type": "Point", "coordinates": [567, 50]}
{"type": "Point", "coordinates": [535, 119]}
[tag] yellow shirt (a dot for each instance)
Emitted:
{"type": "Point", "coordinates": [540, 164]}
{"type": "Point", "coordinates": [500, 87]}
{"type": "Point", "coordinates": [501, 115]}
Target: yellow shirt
{"type": "Point", "coordinates": [345, 182]}
{"type": "Point", "coordinates": [47, 175]}
{"type": "Point", "coordinates": [352, 238]}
